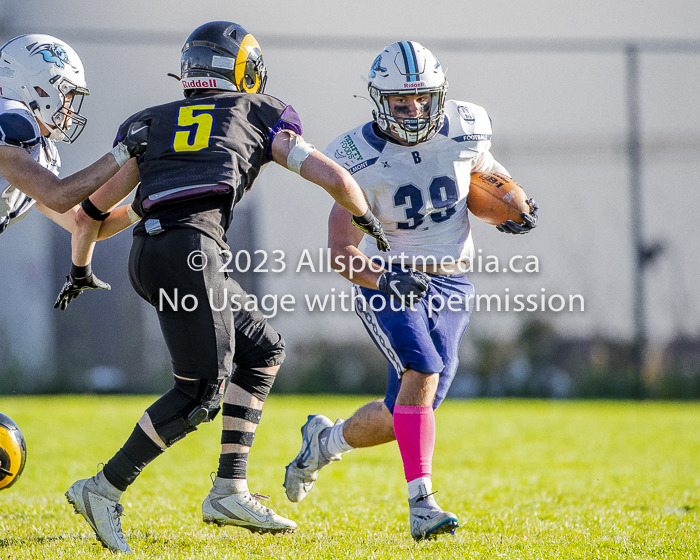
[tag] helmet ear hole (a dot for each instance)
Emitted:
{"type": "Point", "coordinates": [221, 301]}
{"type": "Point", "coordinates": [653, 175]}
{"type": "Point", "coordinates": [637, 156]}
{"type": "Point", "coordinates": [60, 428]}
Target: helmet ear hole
{"type": "Point", "coordinates": [41, 93]}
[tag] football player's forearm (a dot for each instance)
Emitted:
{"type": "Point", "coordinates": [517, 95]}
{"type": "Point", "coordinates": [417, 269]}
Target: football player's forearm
{"type": "Point", "coordinates": [336, 181]}
{"type": "Point", "coordinates": [118, 220]}
{"type": "Point", "coordinates": [114, 191]}
{"type": "Point", "coordinates": [354, 265]}
{"type": "Point", "coordinates": [65, 220]}
{"type": "Point", "coordinates": [83, 238]}
{"type": "Point", "coordinates": [314, 166]}
{"type": "Point", "coordinates": [81, 251]}
{"type": "Point", "coordinates": [61, 195]}
{"type": "Point", "coordinates": [346, 257]}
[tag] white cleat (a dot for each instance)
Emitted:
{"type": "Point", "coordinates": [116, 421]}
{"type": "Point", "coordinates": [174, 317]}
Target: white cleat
{"type": "Point", "coordinates": [302, 472]}
{"type": "Point", "coordinates": [428, 520]}
{"type": "Point", "coordinates": [242, 509]}
{"type": "Point", "coordinates": [100, 512]}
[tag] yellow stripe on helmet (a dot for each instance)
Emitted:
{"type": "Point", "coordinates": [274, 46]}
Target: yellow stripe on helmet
{"type": "Point", "coordinates": [248, 47]}
{"type": "Point", "coordinates": [11, 445]}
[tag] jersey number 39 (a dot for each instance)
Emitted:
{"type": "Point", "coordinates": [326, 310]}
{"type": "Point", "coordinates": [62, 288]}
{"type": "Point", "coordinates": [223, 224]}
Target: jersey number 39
{"type": "Point", "coordinates": [443, 195]}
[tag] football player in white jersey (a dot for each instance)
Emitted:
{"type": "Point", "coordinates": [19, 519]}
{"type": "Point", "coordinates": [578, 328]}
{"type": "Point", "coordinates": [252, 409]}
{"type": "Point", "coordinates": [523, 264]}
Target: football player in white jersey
{"type": "Point", "coordinates": [42, 88]}
{"type": "Point", "coordinates": [414, 162]}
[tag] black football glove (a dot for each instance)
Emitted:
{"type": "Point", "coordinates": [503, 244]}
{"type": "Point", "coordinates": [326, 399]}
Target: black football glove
{"type": "Point", "coordinates": [74, 287]}
{"type": "Point", "coordinates": [136, 138]}
{"type": "Point", "coordinates": [408, 286]}
{"type": "Point", "coordinates": [370, 225]}
{"type": "Point", "coordinates": [529, 221]}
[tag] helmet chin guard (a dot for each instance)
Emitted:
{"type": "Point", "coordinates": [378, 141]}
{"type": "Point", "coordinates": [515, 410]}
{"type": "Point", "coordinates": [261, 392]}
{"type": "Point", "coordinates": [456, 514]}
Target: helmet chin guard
{"type": "Point", "coordinates": [407, 68]}
{"type": "Point", "coordinates": [222, 55]}
{"type": "Point", "coordinates": [46, 75]}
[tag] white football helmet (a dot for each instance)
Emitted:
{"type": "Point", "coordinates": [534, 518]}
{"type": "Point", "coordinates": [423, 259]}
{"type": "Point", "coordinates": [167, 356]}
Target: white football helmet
{"type": "Point", "coordinates": [47, 76]}
{"type": "Point", "coordinates": [407, 68]}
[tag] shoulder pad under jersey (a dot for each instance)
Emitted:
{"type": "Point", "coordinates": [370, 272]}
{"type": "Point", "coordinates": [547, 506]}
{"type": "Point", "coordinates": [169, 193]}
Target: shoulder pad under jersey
{"type": "Point", "coordinates": [466, 122]}
{"type": "Point", "coordinates": [18, 128]}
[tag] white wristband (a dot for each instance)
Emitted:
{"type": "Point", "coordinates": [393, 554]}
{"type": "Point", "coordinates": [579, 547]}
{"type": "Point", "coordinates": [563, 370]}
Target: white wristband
{"type": "Point", "coordinates": [298, 154]}
{"type": "Point", "coordinates": [133, 216]}
{"type": "Point", "coordinates": [120, 153]}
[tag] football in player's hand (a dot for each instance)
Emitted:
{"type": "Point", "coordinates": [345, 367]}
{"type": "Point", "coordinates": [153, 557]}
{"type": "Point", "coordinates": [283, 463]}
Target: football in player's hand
{"type": "Point", "coordinates": [495, 197]}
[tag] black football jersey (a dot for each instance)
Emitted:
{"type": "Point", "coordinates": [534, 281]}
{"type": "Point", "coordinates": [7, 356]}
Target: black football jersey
{"type": "Point", "coordinates": [206, 146]}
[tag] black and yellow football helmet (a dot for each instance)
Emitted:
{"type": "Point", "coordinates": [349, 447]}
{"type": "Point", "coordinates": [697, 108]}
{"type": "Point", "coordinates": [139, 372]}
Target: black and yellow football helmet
{"type": "Point", "coordinates": [222, 55]}
{"type": "Point", "coordinates": [13, 452]}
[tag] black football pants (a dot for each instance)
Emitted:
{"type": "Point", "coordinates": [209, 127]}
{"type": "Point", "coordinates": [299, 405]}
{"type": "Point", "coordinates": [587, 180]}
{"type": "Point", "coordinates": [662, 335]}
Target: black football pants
{"type": "Point", "coordinates": [204, 336]}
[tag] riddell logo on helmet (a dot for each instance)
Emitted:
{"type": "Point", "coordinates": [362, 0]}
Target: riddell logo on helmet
{"type": "Point", "coordinates": [199, 83]}
{"type": "Point", "coordinates": [414, 84]}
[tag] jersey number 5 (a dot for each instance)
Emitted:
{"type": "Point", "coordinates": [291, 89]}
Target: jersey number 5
{"type": "Point", "coordinates": [197, 124]}
{"type": "Point", "coordinates": [443, 195]}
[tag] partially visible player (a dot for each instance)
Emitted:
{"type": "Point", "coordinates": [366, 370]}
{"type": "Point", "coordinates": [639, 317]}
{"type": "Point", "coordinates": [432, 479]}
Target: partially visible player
{"type": "Point", "coordinates": [42, 87]}
{"type": "Point", "coordinates": [204, 153]}
{"type": "Point", "coordinates": [414, 163]}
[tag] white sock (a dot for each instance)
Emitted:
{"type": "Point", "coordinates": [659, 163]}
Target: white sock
{"type": "Point", "coordinates": [105, 488]}
{"type": "Point", "coordinates": [336, 443]}
{"type": "Point", "coordinates": [230, 485]}
{"type": "Point", "coordinates": [423, 485]}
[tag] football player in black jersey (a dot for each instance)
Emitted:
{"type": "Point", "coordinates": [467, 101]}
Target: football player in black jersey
{"type": "Point", "coordinates": [204, 154]}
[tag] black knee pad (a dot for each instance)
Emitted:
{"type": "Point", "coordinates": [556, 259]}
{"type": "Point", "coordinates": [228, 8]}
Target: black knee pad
{"type": "Point", "coordinates": [183, 408]}
{"type": "Point", "coordinates": [255, 382]}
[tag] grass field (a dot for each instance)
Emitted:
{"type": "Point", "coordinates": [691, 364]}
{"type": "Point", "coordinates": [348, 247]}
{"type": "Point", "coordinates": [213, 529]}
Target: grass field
{"type": "Point", "coordinates": [527, 479]}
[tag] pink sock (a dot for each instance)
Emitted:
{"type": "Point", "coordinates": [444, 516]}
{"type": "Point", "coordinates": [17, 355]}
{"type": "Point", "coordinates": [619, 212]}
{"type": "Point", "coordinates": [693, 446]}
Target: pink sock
{"type": "Point", "coordinates": [414, 427]}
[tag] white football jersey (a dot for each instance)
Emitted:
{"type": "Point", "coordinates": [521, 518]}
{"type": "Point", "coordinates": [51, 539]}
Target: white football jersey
{"type": "Point", "coordinates": [419, 192]}
{"type": "Point", "coordinates": [19, 128]}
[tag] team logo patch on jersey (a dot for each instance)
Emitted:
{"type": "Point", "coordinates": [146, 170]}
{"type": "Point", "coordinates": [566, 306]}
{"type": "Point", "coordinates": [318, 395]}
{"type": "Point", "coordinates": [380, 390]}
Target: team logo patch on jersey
{"type": "Point", "coordinates": [350, 149]}
{"type": "Point", "coordinates": [54, 54]}
{"type": "Point", "coordinates": [466, 114]}
{"type": "Point", "coordinates": [362, 165]}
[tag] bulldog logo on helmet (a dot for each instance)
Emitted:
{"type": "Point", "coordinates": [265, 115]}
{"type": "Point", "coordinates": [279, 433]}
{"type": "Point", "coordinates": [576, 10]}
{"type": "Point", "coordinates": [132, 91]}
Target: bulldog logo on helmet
{"type": "Point", "coordinates": [55, 54]}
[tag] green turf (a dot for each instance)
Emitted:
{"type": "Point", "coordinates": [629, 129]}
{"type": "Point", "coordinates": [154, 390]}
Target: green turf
{"type": "Point", "coordinates": [527, 479]}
